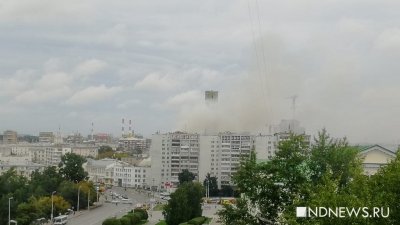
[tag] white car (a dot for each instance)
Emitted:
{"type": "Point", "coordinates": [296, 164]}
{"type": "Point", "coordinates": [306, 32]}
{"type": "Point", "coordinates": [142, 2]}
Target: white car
{"type": "Point", "coordinates": [126, 201]}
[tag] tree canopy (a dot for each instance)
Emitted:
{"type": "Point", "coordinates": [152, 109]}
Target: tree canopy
{"type": "Point", "coordinates": [328, 173]}
{"type": "Point", "coordinates": [71, 168]}
{"type": "Point", "coordinates": [185, 176]}
{"type": "Point", "coordinates": [31, 199]}
{"type": "Point", "coordinates": [185, 203]}
{"type": "Point", "coordinates": [212, 185]}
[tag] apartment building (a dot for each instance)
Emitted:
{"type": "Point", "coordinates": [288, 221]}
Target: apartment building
{"type": "Point", "coordinates": [85, 151]}
{"type": "Point", "coordinates": [23, 168]}
{"type": "Point", "coordinates": [220, 155]}
{"type": "Point", "coordinates": [132, 144]}
{"type": "Point", "coordinates": [126, 175]}
{"type": "Point", "coordinates": [170, 154]}
{"type": "Point", "coordinates": [265, 146]}
{"type": "Point", "coordinates": [46, 137]}
{"type": "Point", "coordinates": [10, 137]}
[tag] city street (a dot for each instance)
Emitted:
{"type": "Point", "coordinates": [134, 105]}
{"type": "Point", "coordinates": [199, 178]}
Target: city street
{"type": "Point", "coordinates": [97, 215]}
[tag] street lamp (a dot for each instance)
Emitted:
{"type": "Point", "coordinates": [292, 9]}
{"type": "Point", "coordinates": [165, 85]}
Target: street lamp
{"type": "Point", "coordinates": [52, 206]}
{"type": "Point", "coordinates": [88, 200]}
{"type": "Point", "coordinates": [97, 193]}
{"type": "Point", "coordinates": [208, 189]}
{"type": "Point", "coordinates": [79, 191]}
{"type": "Point", "coordinates": [9, 209]}
{"type": "Point", "coordinates": [152, 188]}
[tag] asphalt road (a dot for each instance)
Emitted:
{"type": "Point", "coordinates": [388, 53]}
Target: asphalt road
{"type": "Point", "coordinates": [98, 215]}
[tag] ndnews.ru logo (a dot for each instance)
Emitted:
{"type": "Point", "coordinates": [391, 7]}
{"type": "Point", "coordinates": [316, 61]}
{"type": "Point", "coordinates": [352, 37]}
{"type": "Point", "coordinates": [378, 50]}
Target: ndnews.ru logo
{"type": "Point", "coordinates": [341, 212]}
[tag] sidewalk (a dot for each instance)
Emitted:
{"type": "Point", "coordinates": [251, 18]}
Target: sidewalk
{"type": "Point", "coordinates": [154, 217]}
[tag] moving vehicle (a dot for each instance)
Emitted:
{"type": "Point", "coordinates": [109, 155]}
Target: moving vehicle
{"type": "Point", "coordinates": [126, 201]}
{"type": "Point", "coordinates": [60, 220]}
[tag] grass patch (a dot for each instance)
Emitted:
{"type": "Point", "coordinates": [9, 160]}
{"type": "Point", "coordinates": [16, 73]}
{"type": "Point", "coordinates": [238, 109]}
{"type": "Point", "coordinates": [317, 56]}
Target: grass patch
{"type": "Point", "coordinates": [159, 207]}
{"type": "Point", "coordinates": [162, 222]}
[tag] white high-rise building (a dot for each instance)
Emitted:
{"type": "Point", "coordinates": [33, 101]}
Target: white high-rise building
{"type": "Point", "coordinates": [220, 155]}
{"type": "Point", "coordinates": [265, 146]}
{"type": "Point", "coordinates": [217, 154]}
{"type": "Point", "coordinates": [171, 153]}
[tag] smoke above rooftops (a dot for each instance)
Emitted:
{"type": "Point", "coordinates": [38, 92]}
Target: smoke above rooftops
{"type": "Point", "coordinates": [336, 81]}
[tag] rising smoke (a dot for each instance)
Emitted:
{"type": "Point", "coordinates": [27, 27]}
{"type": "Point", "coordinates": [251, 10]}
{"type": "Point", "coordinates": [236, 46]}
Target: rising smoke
{"type": "Point", "coordinates": [253, 102]}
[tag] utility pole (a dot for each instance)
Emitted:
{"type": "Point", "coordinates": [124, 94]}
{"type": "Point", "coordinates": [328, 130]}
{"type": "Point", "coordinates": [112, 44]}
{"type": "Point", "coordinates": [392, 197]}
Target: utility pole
{"type": "Point", "coordinates": [9, 209]}
{"type": "Point", "coordinates": [88, 200]}
{"type": "Point", "coordinates": [97, 193]}
{"type": "Point", "coordinates": [152, 188]}
{"type": "Point", "coordinates": [208, 189]}
{"type": "Point", "coordinates": [52, 206]}
{"type": "Point", "coordinates": [77, 207]}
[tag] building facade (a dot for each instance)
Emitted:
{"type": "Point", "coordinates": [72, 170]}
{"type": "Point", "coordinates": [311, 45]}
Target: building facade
{"type": "Point", "coordinates": [46, 137]}
{"type": "Point", "coordinates": [220, 155]}
{"type": "Point", "coordinates": [170, 154]}
{"type": "Point", "coordinates": [10, 137]}
{"type": "Point", "coordinates": [117, 173]}
{"type": "Point", "coordinates": [374, 157]}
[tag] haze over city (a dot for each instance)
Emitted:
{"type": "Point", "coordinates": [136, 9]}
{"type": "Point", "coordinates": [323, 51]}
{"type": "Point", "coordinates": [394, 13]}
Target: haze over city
{"type": "Point", "coordinates": [72, 63]}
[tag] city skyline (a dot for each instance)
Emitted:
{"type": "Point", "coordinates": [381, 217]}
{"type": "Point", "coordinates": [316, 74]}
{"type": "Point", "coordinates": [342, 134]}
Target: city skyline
{"type": "Point", "coordinates": [70, 64]}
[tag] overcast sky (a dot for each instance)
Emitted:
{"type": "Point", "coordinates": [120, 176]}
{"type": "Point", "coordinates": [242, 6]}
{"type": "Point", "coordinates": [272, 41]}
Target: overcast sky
{"type": "Point", "coordinates": [70, 63]}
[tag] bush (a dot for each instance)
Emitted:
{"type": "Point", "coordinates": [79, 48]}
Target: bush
{"type": "Point", "coordinates": [125, 220]}
{"type": "Point", "coordinates": [197, 220]}
{"type": "Point", "coordinates": [134, 218]}
{"type": "Point", "coordinates": [111, 221]}
{"type": "Point", "coordinates": [144, 216]}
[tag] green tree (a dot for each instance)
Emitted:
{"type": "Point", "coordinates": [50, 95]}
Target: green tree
{"type": "Point", "coordinates": [105, 151]}
{"type": "Point", "coordinates": [239, 215]}
{"type": "Point", "coordinates": [185, 203]}
{"type": "Point", "coordinates": [185, 176]}
{"type": "Point", "coordinates": [29, 211]}
{"type": "Point", "coordinates": [15, 186]}
{"type": "Point", "coordinates": [301, 176]}
{"type": "Point", "coordinates": [212, 185]}
{"type": "Point", "coordinates": [71, 167]}
{"type": "Point", "coordinates": [59, 203]}
{"type": "Point", "coordinates": [385, 191]}
{"type": "Point", "coordinates": [44, 183]}
{"type": "Point", "coordinates": [69, 191]}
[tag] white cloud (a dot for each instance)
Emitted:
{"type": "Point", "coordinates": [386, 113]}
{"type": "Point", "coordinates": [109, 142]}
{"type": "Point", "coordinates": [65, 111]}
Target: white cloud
{"type": "Point", "coordinates": [117, 36]}
{"type": "Point", "coordinates": [184, 99]}
{"type": "Point", "coordinates": [11, 86]}
{"type": "Point", "coordinates": [92, 95]}
{"type": "Point", "coordinates": [90, 67]}
{"type": "Point", "coordinates": [127, 104]}
{"type": "Point", "coordinates": [53, 81]}
{"type": "Point", "coordinates": [158, 82]}
{"type": "Point", "coordinates": [28, 11]}
{"type": "Point", "coordinates": [35, 96]}
{"type": "Point", "coordinates": [389, 39]}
